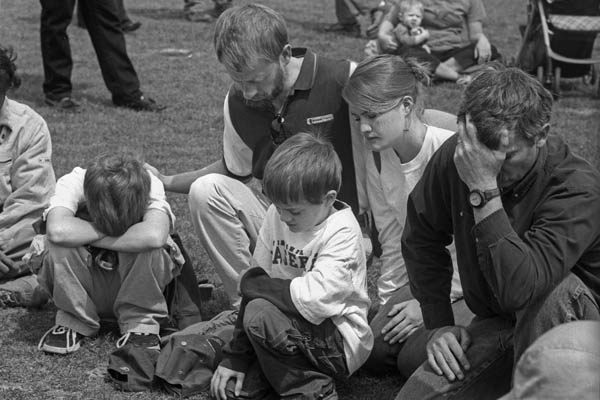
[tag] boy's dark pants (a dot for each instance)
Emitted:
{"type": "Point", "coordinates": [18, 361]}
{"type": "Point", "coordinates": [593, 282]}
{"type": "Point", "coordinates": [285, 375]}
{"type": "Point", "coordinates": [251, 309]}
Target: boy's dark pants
{"type": "Point", "coordinates": [297, 358]}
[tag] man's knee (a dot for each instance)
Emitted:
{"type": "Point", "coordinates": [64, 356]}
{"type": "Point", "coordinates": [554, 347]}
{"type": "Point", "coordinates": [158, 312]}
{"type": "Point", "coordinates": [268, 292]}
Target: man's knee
{"type": "Point", "coordinates": [204, 189]}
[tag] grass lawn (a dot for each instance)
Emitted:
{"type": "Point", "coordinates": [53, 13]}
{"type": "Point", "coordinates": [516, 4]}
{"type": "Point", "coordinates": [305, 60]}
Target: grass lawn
{"type": "Point", "coordinates": [187, 136]}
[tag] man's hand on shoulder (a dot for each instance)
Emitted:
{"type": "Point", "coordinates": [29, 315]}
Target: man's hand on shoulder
{"type": "Point", "coordinates": [446, 352]}
{"type": "Point", "coordinates": [166, 180]}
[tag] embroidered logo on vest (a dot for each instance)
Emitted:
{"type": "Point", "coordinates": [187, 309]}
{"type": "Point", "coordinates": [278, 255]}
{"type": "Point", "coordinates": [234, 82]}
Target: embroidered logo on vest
{"type": "Point", "coordinates": [319, 120]}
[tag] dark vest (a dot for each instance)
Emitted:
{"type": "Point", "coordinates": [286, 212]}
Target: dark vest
{"type": "Point", "coordinates": [308, 110]}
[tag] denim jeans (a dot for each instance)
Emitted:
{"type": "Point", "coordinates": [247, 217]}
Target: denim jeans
{"type": "Point", "coordinates": [496, 343]}
{"type": "Point", "coordinates": [563, 363]}
{"type": "Point", "coordinates": [298, 359]}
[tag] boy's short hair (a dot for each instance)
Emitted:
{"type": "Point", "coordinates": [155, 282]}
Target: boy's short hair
{"type": "Point", "coordinates": [405, 5]}
{"type": "Point", "coordinates": [500, 97]}
{"type": "Point", "coordinates": [248, 35]}
{"type": "Point", "coordinates": [304, 168]}
{"type": "Point", "coordinates": [117, 191]}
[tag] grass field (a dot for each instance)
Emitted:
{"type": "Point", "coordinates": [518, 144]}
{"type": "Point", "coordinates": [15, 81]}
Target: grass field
{"type": "Point", "coordinates": [187, 136]}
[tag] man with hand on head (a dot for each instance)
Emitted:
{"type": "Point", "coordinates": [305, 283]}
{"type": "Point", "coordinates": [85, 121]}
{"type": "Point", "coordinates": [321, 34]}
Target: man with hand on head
{"type": "Point", "coordinates": [525, 216]}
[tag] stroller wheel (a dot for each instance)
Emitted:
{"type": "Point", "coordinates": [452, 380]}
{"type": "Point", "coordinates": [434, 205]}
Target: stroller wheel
{"type": "Point", "coordinates": [556, 81]}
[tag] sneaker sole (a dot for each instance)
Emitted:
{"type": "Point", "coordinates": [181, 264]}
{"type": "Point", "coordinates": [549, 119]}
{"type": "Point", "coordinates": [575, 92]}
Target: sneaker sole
{"type": "Point", "coordinates": [60, 350]}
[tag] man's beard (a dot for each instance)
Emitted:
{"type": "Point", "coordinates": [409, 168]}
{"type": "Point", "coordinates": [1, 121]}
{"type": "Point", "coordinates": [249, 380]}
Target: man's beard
{"type": "Point", "coordinates": [266, 103]}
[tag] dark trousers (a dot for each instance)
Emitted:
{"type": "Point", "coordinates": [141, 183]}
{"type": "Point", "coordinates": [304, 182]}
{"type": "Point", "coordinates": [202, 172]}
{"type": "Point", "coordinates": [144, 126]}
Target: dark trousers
{"type": "Point", "coordinates": [296, 358]}
{"type": "Point", "coordinates": [103, 26]}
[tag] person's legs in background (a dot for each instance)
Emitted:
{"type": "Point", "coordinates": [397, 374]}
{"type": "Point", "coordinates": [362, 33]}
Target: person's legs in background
{"type": "Point", "coordinates": [195, 10]}
{"type": "Point", "coordinates": [56, 53]}
{"type": "Point", "coordinates": [346, 12]}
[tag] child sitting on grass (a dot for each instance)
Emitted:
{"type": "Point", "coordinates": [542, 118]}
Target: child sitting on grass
{"type": "Point", "coordinates": [404, 36]}
{"type": "Point", "coordinates": [109, 262]}
{"type": "Point", "coordinates": [303, 317]}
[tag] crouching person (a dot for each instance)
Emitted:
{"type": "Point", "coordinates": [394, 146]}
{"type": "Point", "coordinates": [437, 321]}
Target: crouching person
{"type": "Point", "coordinates": [303, 316]}
{"type": "Point", "coordinates": [110, 263]}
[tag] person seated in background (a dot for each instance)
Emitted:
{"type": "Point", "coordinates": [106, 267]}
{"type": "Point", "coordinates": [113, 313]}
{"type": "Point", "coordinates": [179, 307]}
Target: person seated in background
{"type": "Point", "coordinates": [303, 316]}
{"type": "Point", "coordinates": [454, 36]}
{"type": "Point", "coordinates": [523, 211]}
{"type": "Point", "coordinates": [411, 42]}
{"type": "Point", "coordinates": [107, 227]}
{"type": "Point", "coordinates": [26, 183]}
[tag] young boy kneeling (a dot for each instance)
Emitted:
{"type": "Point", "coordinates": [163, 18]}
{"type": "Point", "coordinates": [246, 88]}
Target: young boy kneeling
{"type": "Point", "coordinates": [110, 263]}
{"type": "Point", "coordinates": [303, 317]}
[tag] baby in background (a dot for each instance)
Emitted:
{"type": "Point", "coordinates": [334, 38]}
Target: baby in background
{"type": "Point", "coordinates": [409, 31]}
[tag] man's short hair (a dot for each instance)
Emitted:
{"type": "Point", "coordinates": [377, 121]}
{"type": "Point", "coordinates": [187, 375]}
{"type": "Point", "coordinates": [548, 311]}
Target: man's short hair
{"type": "Point", "coordinates": [248, 35]}
{"type": "Point", "coordinates": [117, 191]}
{"type": "Point", "coordinates": [508, 98]}
{"type": "Point", "coordinates": [304, 168]}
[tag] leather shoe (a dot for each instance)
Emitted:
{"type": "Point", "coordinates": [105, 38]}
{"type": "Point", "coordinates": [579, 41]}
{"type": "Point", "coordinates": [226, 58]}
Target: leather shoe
{"type": "Point", "coordinates": [141, 104]}
{"type": "Point", "coordinates": [130, 26]}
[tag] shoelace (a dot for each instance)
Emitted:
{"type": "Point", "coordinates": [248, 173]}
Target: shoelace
{"type": "Point", "coordinates": [71, 336]}
{"type": "Point", "coordinates": [123, 340]}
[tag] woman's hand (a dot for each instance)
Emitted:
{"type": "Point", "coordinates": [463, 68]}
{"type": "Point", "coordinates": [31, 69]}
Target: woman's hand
{"type": "Point", "coordinates": [406, 318]}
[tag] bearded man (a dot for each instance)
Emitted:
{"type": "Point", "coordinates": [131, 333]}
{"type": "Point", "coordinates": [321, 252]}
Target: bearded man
{"type": "Point", "coordinates": [277, 91]}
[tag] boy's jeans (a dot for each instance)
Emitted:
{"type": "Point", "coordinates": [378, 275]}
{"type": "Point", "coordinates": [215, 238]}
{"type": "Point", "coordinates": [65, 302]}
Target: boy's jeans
{"type": "Point", "coordinates": [85, 293]}
{"type": "Point", "coordinates": [297, 358]}
{"type": "Point", "coordinates": [491, 351]}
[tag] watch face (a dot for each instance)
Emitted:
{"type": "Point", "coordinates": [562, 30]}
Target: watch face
{"type": "Point", "coordinates": [475, 198]}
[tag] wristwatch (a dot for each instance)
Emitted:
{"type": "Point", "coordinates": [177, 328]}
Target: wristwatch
{"type": "Point", "coordinates": [479, 198]}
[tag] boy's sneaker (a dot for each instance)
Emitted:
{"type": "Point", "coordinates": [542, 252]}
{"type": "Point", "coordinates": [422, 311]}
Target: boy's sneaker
{"type": "Point", "coordinates": [60, 340]}
{"type": "Point", "coordinates": [147, 340]}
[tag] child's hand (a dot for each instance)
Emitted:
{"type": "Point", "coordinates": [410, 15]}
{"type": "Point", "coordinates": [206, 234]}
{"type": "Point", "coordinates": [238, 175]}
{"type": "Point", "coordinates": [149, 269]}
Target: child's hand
{"type": "Point", "coordinates": [387, 42]}
{"type": "Point", "coordinates": [219, 381]}
{"type": "Point", "coordinates": [416, 31]}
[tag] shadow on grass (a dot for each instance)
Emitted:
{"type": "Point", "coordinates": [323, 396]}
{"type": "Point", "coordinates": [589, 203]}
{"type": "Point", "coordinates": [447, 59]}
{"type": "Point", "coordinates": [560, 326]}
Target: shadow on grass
{"type": "Point", "coordinates": [31, 324]}
{"type": "Point", "coordinates": [31, 92]}
{"type": "Point", "coordinates": [307, 25]}
{"type": "Point", "coordinates": [158, 13]}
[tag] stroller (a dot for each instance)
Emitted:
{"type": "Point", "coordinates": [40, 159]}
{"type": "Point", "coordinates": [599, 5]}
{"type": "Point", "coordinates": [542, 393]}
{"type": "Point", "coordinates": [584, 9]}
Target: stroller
{"type": "Point", "coordinates": [558, 41]}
